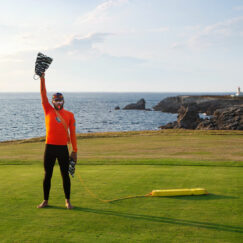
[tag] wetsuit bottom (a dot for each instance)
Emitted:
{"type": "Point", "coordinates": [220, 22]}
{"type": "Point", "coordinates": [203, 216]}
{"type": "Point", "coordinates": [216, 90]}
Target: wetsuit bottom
{"type": "Point", "coordinates": [53, 152]}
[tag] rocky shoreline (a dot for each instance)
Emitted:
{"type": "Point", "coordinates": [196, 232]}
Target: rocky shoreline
{"type": "Point", "coordinates": [223, 112]}
{"type": "Point", "coordinates": [226, 112]}
{"type": "Point", "coordinates": [203, 104]}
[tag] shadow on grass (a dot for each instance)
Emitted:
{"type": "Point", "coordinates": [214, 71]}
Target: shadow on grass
{"type": "Point", "coordinates": [164, 220]}
{"type": "Point", "coordinates": [205, 197]}
{"type": "Point", "coordinates": [191, 197]}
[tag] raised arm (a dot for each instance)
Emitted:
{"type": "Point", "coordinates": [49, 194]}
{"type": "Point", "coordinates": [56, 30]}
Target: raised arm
{"type": "Point", "coordinates": [44, 100]}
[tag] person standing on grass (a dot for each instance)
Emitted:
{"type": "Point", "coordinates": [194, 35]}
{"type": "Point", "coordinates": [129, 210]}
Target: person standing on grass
{"type": "Point", "coordinates": [58, 121]}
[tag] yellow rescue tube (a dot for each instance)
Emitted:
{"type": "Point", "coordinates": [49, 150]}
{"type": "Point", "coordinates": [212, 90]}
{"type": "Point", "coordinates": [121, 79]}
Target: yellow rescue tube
{"type": "Point", "coordinates": [178, 192]}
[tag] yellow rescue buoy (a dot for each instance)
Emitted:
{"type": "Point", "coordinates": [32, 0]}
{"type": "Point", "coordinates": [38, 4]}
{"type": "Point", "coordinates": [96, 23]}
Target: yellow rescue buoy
{"type": "Point", "coordinates": [178, 192]}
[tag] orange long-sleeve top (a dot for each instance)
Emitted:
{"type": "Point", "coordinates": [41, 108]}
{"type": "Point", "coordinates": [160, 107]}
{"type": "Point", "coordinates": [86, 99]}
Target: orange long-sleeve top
{"type": "Point", "coordinates": [56, 133]}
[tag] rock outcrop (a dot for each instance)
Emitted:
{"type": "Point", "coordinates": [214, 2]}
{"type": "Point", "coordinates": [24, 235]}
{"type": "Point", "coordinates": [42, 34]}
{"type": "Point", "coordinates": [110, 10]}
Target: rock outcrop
{"type": "Point", "coordinates": [230, 118]}
{"type": "Point", "coordinates": [205, 104]}
{"type": "Point", "coordinates": [188, 118]}
{"type": "Point", "coordinates": [140, 105]}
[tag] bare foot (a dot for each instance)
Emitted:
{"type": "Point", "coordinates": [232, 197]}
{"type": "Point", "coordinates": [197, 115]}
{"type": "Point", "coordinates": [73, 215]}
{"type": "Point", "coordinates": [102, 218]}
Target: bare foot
{"type": "Point", "coordinates": [43, 204]}
{"type": "Point", "coordinates": [68, 204]}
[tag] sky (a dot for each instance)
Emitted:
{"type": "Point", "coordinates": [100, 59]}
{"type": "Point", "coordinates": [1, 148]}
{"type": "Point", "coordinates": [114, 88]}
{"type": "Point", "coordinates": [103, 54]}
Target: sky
{"type": "Point", "coordinates": [123, 45]}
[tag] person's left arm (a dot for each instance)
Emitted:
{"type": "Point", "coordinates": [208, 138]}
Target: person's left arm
{"type": "Point", "coordinates": [72, 128]}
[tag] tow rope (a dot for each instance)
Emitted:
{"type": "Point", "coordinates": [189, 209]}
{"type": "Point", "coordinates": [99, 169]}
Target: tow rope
{"type": "Point", "coordinates": [154, 193]}
{"type": "Point", "coordinates": [93, 195]}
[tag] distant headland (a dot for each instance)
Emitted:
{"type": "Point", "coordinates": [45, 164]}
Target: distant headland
{"type": "Point", "coordinates": [225, 112]}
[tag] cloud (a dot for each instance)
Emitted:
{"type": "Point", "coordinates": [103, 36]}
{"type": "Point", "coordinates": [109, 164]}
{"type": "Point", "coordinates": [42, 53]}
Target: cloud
{"type": "Point", "coordinates": [82, 46]}
{"type": "Point", "coordinates": [238, 8]}
{"type": "Point", "coordinates": [87, 41]}
{"type": "Point", "coordinates": [10, 59]}
{"type": "Point", "coordinates": [78, 48]}
{"type": "Point", "coordinates": [214, 34]}
{"type": "Point", "coordinates": [100, 13]}
{"type": "Point", "coordinates": [222, 27]}
{"type": "Point", "coordinates": [123, 60]}
{"type": "Point", "coordinates": [177, 45]}
{"type": "Point", "coordinates": [15, 39]}
{"type": "Point", "coordinates": [160, 30]}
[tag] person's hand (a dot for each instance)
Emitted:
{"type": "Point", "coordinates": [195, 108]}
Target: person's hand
{"type": "Point", "coordinates": [74, 156]}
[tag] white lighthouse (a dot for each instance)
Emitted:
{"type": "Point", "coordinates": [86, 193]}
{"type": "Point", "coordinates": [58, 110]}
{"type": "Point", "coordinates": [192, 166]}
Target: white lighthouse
{"type": "Point", "coordinates": [238, 92]}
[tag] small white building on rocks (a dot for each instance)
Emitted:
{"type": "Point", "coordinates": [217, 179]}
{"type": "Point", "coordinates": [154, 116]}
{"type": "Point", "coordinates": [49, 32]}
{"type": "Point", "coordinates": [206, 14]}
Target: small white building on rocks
{"type": "Point", "coordinates": [238, 93]}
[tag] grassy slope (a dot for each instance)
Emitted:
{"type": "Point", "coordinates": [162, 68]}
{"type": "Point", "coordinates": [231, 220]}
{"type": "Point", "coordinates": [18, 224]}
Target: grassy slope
{"type": "Point", "coordinates": [120, 164]}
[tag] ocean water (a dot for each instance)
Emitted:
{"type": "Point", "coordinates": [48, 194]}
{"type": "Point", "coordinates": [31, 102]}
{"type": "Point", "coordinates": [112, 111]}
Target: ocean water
{"type": "Point", "coordinates": [22, 115]}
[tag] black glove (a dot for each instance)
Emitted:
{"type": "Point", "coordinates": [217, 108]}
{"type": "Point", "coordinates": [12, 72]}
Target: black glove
{"type": "Point", "coordinates": [72, 163]}
{"type": "Point", "coordinates": [42, 63]}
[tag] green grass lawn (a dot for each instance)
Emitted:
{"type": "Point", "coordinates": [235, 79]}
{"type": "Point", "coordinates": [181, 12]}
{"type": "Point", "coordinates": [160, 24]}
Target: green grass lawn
{"type": "Point", "coordinates": [116, 165]}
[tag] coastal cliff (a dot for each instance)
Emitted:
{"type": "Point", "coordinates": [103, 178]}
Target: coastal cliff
{"type": "Point", "coordinates": [203, 104]}
{"type": "Point", "coordinates": [226, 112]}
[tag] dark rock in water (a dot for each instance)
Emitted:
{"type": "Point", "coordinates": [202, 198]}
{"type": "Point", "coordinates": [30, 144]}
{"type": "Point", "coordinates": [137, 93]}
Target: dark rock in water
{"type": "Point", "coordinates": [188, 118]}
{"type": "Point", "coordinates": [117, 108]}
{"type": "Point", "coordinates": [205, 104]}
{"type": "Point", "coordinates": [230, 118]}
{"type": "Point", "coordinates": [140, 105]}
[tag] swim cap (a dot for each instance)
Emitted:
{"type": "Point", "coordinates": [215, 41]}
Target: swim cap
{"type": "Point", "coordinates": [57, 97]}
{"type": "Point", "coordinates": [57, 101]}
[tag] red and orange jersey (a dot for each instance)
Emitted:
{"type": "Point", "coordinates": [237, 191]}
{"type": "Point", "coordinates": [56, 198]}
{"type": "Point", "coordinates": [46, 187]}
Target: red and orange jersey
{"type": "Point", "coordinates": [55, 131]}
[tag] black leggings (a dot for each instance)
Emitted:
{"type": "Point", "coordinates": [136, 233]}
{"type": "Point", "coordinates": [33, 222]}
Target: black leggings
{"type": "Point", "coordinates": [53, 152]}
